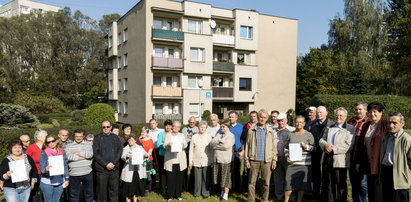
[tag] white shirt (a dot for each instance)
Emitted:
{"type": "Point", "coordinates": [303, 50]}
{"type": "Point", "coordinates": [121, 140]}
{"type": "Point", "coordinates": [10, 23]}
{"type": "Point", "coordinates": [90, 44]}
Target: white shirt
{"type": "Point", "coordinates": [153, 134]}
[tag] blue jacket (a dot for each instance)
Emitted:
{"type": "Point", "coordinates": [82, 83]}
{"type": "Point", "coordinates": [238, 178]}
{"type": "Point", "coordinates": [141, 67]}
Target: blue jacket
{"type": "Point", "coordinates": [44, 162]}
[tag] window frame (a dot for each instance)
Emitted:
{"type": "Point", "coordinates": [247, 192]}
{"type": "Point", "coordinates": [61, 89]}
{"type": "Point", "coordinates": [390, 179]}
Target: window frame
{"type": "Point", "coordinates": [200, 54]}
{"type": "Point", "coordinates": [197, 78]}
{"type": "Point", "coordinates": [198, 26]}
{"type": "Point", "coordinates": [249, 32]}
{"type": "Point", "coordinates": [248, 84]}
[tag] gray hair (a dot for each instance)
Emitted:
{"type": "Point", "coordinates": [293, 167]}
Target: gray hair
{"type": "Point", "coordinates": [214, 115]}
{"type": "Point", "coordinates": [202, 123]}
{"type": "Point", "coordinates": [262, 111]}
{"type": "Point", "coordinates": [39, 133]}
{"type": "Point", "coordinates": [341, 109]}
{"type": "Point", "coordinates": [361, 103]}
{"type": "Point", "coordinates": [402, 118]}
{"type": "Point", "coordinates": [300, 117]}
{"type": "Point", "coordinates": [322, 107]}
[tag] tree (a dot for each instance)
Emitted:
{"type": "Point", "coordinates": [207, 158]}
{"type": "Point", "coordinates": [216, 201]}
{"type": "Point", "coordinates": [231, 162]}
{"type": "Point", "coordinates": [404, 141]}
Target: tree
{"type": "Point", "coordinates": [106, 21]}
{"type": "Point", "coordinates": [398, 19]}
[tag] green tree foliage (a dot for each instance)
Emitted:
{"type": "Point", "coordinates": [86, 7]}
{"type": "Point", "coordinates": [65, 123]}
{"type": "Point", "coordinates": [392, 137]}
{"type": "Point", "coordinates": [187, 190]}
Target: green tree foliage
{"type": "Point", "coordinates": [53, 54]}
{"type": "Point", "coordinates": [39, 104]}
{"type": "Point", "coordinates": [398, 18]}
{"type": "Point", "coordinates": [106, 21]}
{"type": "Point", "coordinates": [16, 116]}
{"type": "Point", "coordinates": [97, 113]}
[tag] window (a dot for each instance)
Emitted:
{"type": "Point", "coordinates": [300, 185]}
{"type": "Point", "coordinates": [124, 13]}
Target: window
{"type": "Point", "coordinates": [171, 53]}
{"type": "Point", "coordinates": [245, 84]}
{"type": "Point", "coordinates": [158, 24]}
{"type": "Point", "coordinates": [114, 63]}
{"type": "Point", "coordinates": [125, 35]}
{"type": "Point", "coordinates": [169, 25]}
{"type": "Point", "coordinates": [158, 52]}
{"type": "Point", "coordinates": [158, 109]}
{"type": "Point", "coordinates": [244, 58]}
{"type": "Point", "coordinates": [169, 81]}
{"type": "Point", "coordinates": [246, 32]}
{"type": "Point", "coordinates": [197, 54]}
{"type": "Point", "coordinates": [119, 108]}
{"type": "Point", "coordinates": [120, 86]}
{"type": "Point", "coordinates": [25, 9]}
{"type": "Point", "coordinates": [193, 109]}
{"type": "Point", "coordinates": [119, 62]}
{"type": "Point", "coordinates": [157, 81]}
{"type": "Point", "coordinates": [110, 85]}
{"type": "Point", "coordinates": [195, 26]}
{"type": "Point", "coordinates": [110, 41]}
{"type": "Point", "coordinates": [125, 62]}
{"type": "Point", "coordinates": [193, 81]}
{"type": "Point", "coordinates": [125, 84]}
{"type": "Point", "coordinates": [126, 108]}
{"type": "Point", "coordinates": [119, 39]}
{"type": "Point", "coordinates": [170, 107]}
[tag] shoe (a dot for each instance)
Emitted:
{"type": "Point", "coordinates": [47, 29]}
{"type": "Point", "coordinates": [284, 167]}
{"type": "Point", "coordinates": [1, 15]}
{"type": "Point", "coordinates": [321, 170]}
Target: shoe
{"type": "Point", "coordinates": [170, 199]}
{"type": "Point", "coordinates": [179, 198]}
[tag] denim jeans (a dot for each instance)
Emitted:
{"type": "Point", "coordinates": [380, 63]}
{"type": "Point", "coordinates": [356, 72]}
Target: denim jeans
{"type": "Point", "coordinates": [75, 184]}
{"type": "Point", "coordinates": [51, 193]}
{"type": "Point", "coordinates": [16, 195]}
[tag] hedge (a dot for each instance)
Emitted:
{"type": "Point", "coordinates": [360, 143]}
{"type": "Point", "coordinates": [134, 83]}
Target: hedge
{"type": "Point", "coordinates": [96, 113]}
{"type": "Point", "coordinates": [392, 103]}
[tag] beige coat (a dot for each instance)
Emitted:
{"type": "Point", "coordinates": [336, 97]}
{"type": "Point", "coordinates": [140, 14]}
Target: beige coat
{"type": "Point", "coordinates": [270, 145]}
{"type": "Point", "coordinates": [200, 153]}
{"type": "Point", "coordinates": [223, 152]}
{"type": "Point", "coordinates": [169, 157]}
{"type": "Point", "coordinates": [341, 148]}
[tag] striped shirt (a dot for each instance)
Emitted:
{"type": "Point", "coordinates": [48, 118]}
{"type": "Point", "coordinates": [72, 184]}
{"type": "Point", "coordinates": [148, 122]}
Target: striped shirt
{"type": "Point", "coordinates": [260, 136]}
{"type": "Point", "coordinates": [79, 167]}
{"type": "Point", "coordinates": [308, 139]}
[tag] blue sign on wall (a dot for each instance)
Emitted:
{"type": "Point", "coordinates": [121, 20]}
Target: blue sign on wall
{"type": "Point", "coordinates": [208, 94]}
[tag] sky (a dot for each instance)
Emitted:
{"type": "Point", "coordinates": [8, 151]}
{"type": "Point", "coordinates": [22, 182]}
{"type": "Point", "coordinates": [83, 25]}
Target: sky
{"type": "Point", "coordinates": [313, 15]}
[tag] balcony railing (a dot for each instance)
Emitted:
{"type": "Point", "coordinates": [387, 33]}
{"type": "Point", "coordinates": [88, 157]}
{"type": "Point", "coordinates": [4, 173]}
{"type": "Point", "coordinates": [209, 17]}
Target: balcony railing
{"type": "Point", "coordinates": [166, 91]}
{"type": "Point", "coordinates": [223, 92]}
{"type": "Point", "coordinates": [223, 66]}
{"type": "Point", "coordinates": [160, 118]}
{"type": "Point", "coordinates": [168, 34]}
{"type": "Point", "coordinates": [173, 63]}
{"type": "Point", "coordinates": [223, 39]}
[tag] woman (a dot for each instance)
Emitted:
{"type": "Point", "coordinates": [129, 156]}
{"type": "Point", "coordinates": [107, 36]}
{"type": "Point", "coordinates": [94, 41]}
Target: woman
{"type": "Point", "coordinates": [34, 151]}
{"type": "Point", "coordinates": [368, 149]}
{"type": "Point", "coordinates": [132, 175]}
{"type": "Point", "coordinates": [175, 161]}
{"type": "Point", "coordinates": [18, 191]}
{"type": "Point", "coordinates": [168, 125]}
{"type": "Point", "coordinates": [52, 186]}
{"type": "Point", "coordinates": [222, 144]}
{"type": "Point", "coordinates": [148, 147]}
{"type": "Point", "coordinates": [200, 158]}
{"type": "Point", "coordinates": [126, 133]}
{"type": "Point", "coordinates": [298, 174]}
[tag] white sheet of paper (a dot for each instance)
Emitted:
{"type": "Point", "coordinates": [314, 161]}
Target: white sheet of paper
{"type": "Point", "coordinates": [296, 152]}
{"type": "Point", "coordinates": [19, 171]}
{"type": "Point", "coordinates": [57, 165]}
{"type": "Point", "coordinates": [137, 157]}
{"type": "Point", "coordinates": [176, 147]}
{"type": "Point", "coordinates": [176, 139]}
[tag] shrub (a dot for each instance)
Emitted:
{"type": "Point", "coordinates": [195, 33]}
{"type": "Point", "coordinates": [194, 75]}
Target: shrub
{"type": "Point", "coordinates": [16, 116]}
{"type": "Point", "coordinates": [62, 118]}
{"type": "Point", "coordinates": [392, 103]}
{"type": "Point", "coordinates": [96, 113]}
{"type": "Point", "coordinates": [77, 115]}
{"type": "Point", "coordinates": [40, 104]}
{"type": "Point", "coordinates": [206, 116]}
{"type": "Point", "coordinates": [45, 125]}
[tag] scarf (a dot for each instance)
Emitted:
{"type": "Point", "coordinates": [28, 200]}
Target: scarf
{"type": "Point", "coordinates": [51, 152]}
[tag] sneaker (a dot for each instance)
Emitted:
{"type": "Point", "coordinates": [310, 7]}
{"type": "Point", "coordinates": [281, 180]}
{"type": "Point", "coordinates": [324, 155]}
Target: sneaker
{"type": "Point", "coordinates": [180, 199]}
{"type": "Point", "coordinates": [170, 199]}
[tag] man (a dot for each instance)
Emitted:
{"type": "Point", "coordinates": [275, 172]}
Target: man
{"type": "Point", "coordinates": [278, 178]}
{"type": "Point", "coordinates": [317, 129]}
{"type": "Point", "coordinates": [188, 132]}
{"type": "Point", "coordinates": [236, 129]}
{"type": "Point", "coordinates": [63, 135]}
{"type": "Point", "coordinates": [153, 135]}
{"type": "Point", "coordinates": [396, 160]}
{"type": "Point", "coordinates": [107, 151]}
{"type": "Point", "coordinates": [260, 155]}
{"type": "Point", "coordinates": [253, 119]}
{"type": "Point", "coordinates": [79, 154]}
{"type": "Point", "coordinates": [336, 144]}
{"type": "Point", "coordinates": [25, 139]}
{"type": "Point", "coordinates": [214, 126]}
{"type": "Point", "coordinates": [358, 180]}
{"type": "Point", "coordinates": [273, 116]}
{"type": "Point", "coordinates": [311, 117]}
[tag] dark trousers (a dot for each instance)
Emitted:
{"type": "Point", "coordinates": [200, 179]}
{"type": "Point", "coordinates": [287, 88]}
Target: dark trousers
{"type": "Point", "coordinates": [390, 194]}
{"type": "Point", "coordinates": [162, 173]}
{"type": "Point", "coordinates": [107, 186]}
{"type": "Point", "coordinates": [35, 194]}
{"type": "Point", "coordinates": [235, 174]}
{"type": "Point", "coordinates": [246, 172]}
{"type": "Point", "coordinates": [175, 180]}
{"type": "Point", "coordinates": [75, 184]}
{"type": "Point", "coordinates": [358, 184]}
{"type": "Point", "coordinates": [374, 188]}
{"type": "Point", "coordinates": [316, 172]}
{"type": "Point", "coordinates": [334, 181]}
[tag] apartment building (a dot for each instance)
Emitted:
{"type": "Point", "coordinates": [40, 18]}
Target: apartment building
{"type": "Point", "coordinates": [172, 59]}
{"type": "Point", "coordinates": [18, 7]}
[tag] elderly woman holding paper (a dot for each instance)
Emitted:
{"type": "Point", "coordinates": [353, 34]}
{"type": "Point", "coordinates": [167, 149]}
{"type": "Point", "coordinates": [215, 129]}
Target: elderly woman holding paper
{"type": "Point", "coordinates": [297, 150]}
{"type": "Point", "coordinates": [18, 172]}
{"type": "Point", "coordinates": [54, 170]}
{"type": "Point", "coordinates": [175, 161]}
{"type": "Point", "coordinates": [134, 171]}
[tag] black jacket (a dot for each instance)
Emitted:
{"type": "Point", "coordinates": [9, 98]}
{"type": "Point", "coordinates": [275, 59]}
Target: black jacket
{"type": "Point", "coordinates": [99, 164]}
{"type": "Point", "coordinates": [318, 129]}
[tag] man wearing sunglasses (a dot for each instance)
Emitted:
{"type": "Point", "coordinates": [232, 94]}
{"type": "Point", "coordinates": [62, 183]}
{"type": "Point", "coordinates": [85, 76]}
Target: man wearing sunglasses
{"type": "Point", "coordinates": [107, 150]}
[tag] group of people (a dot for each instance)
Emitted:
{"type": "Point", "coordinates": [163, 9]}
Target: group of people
{"type": "Point", "coordinates": [315, 155]}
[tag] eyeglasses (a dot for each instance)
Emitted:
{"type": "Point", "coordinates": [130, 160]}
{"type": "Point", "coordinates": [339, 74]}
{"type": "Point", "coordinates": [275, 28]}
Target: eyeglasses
{"type": "Point", "coordinates": [89, 140]}
{"type": "Point", "coordinates": [48, 142]}
{"type": "Point", "coordinates": [103, 127]}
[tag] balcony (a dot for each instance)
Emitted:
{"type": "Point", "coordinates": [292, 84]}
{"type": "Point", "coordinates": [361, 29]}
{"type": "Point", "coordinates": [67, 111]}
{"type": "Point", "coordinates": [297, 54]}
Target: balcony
{"type": "Point", "coordinates": [223, 92]}
{"type": "Point", "coordinates": [223, 66]}
{"type": "Point", "coordinates": [169, 63]}
{"type": "Point", "coordinates": [168, 34]}
{"type": "Point", "coordinates": [163, 117]}
{"type": "Point", "coordinates": [223, 39]}
{"type": "Point", "coordinates": [166, 91]}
